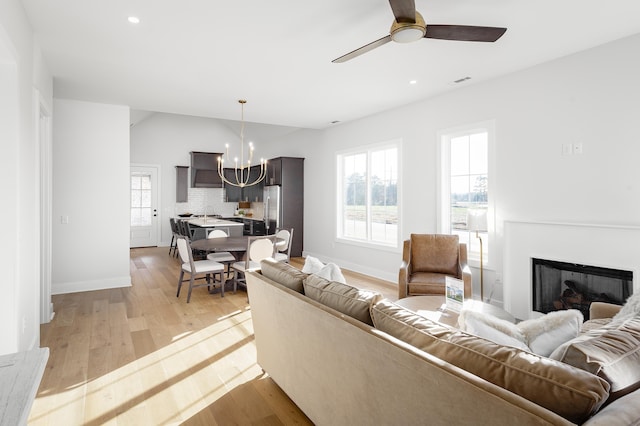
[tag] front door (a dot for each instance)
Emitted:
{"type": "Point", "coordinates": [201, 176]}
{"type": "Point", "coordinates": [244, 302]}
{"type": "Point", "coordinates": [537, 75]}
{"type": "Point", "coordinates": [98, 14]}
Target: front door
{"type": "Point", "coordinates": [144, 207]}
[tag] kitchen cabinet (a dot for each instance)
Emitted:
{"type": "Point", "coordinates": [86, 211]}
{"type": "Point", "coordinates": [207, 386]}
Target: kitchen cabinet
{"type": "Point", "coordinates": [274, 172]}
{"type": "Point", "coordinates": [182, 184]}
{"type": "Point", "coordinates": [254, 193]}
{"type": "Point", "coordinates": [251, 226]}
{"type": "Point", "coordinates": [233, 193]}
{"type": "Point", "coordinates": [248, 193]}
{"type": "Point", "coordinates": [204, 170]}
{"type": "Point", "coordinates": [289, 172]}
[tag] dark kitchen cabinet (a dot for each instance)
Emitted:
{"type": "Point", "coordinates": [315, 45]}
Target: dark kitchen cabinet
{"type": "Point", "coordinates": [251, 193]}
{"type": "Point", "coordinates": [274, 172]}
{"type": "Point", "coordinates": [289, 172]}
{"type": "Point", "coordinates": [182, 184]}
{"type": "Point", "coordinates": [254, 193]}
{"type": "Point", "coordinates": [233, 193]}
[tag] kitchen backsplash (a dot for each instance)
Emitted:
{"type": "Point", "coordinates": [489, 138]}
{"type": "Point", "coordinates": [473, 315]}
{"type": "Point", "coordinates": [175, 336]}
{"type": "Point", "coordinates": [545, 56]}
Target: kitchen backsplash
{"type": "Point", "coordinates": [213, 200]}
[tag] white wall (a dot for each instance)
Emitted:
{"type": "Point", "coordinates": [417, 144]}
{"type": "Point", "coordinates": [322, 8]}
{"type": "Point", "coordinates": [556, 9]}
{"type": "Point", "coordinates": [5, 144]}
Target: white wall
{"type": "Point", "coordinates": [590, 98]}
{"type": "Point", "coordinates": [90, 187]}
{"type": "Point", "coordinates": [21, 72]}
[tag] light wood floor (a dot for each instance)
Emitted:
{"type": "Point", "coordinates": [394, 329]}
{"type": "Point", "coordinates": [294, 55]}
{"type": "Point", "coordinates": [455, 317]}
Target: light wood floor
{"type": "Point", "coordinates": [141, 356]}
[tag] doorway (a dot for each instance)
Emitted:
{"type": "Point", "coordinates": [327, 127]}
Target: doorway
{"type": "Point", "coordinates": [46, 210]}
{"type": "Point", "coordinates": [144, 206]}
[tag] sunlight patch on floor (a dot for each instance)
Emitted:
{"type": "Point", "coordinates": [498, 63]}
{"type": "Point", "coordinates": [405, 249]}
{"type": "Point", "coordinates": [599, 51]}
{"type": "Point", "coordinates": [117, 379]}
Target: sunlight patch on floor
{"type": "Point", "coordinates": [192, 372]}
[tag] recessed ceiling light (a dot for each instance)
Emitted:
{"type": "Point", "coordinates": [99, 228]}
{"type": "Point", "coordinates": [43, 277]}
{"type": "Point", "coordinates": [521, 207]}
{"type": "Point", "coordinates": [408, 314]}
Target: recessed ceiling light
{"type": "Point", "coordinates": [133, 19]}
{"type": "Point", "coordinates": [413, 82]}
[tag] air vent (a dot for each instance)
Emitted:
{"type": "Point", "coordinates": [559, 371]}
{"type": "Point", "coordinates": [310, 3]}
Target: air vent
{"type": "Point", "coordinates": [460, 80]}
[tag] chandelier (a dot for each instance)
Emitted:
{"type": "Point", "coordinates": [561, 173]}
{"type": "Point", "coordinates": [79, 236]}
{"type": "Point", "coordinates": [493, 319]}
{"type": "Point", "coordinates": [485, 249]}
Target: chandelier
{"type": "Point", "coordinates": [242, 169]}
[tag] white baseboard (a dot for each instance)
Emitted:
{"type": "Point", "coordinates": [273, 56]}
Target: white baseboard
{"type": "Point", "coordinates": [78, 286]}
{"type": "Point", "coordinates": [372, 272]}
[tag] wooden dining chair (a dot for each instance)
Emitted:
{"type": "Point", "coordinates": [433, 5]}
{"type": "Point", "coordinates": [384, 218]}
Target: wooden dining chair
{"type": "Point", "coordinates": [208, 268]}
{"type": "Point", "coordinates": [258, 248]}
{"type": "Point", "coordinates": [174, 236]}
{"type": "Point", "coordinates": [224, 257]}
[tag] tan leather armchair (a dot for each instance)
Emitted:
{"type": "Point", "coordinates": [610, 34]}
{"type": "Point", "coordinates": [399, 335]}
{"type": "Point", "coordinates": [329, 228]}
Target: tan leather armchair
{"type": "Point", "coordinates": [427, 259]}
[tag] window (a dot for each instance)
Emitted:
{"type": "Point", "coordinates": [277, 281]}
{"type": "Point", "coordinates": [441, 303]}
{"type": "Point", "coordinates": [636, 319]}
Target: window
{"type": "Point", "coordinates": [140, 200]}
{"type": "Point", "coordinates": [465, 184]}
{"type": "Point", "coordinates": [368, 195]}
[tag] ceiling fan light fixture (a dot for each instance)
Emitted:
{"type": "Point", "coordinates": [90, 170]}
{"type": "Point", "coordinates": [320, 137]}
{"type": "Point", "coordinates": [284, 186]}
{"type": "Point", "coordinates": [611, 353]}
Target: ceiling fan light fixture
{"type": "Point", "coordinates": [407, 32]}
{"type": "Point", "coordinates": [407, 35]}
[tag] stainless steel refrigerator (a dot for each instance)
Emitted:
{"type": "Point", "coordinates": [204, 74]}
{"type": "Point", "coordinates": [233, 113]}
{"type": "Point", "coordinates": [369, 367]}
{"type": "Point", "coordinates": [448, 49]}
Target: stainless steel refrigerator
{"type": "Point", "coordinates": [272, 209]}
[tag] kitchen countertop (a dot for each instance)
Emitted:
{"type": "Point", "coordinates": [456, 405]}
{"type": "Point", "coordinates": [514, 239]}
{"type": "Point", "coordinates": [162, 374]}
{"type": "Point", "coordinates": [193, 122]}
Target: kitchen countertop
{"type": "Point", "coordinates": [212, 222]}
{"type": "Point", "coordinates": [248, 217]}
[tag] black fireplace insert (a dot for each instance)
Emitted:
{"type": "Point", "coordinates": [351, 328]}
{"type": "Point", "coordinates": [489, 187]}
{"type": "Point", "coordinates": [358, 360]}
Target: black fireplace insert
{"type": "Point", "coordinates": [563, 285]}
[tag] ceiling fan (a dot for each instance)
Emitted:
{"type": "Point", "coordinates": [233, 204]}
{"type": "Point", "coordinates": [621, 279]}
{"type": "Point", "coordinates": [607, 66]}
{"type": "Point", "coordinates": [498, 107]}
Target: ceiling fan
{"type": "Point", "coordinates": [409, 26]}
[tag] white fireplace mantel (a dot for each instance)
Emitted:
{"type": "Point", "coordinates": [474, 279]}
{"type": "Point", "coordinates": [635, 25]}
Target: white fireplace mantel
{"type": "Point", "coordinates": [608, 246]}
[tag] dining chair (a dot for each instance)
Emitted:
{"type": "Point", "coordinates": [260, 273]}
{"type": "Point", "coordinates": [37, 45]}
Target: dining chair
{"type": "Point", "coordinates": [224, 257]}
{"type": "Point", "coordinates": [174, 236]}
{"type": "Point", "coordinates": [258, 248]}
{"type": "Point", "coordinates": [283, 245]}
{"type": "Point", "coordinates": [208, 268]}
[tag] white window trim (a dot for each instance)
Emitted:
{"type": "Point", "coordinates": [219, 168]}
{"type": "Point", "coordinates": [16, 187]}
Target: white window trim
{"type": "Point", "coordinates": [444, 136]}
{"type": "Point", "coordinates": [396, 143]}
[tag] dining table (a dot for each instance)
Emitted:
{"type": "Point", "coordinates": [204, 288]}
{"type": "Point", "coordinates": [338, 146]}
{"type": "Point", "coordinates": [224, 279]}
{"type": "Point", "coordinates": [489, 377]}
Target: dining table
{"type": "Point", "coordinates": [235, 245]}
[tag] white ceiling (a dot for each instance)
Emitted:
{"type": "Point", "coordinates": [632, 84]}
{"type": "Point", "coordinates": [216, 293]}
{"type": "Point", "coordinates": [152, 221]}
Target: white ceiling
{"type": "Point", "coordinates": [198, 57]}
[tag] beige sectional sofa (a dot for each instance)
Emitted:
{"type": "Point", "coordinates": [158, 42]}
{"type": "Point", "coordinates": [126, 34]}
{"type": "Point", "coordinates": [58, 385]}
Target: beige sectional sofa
{"type": "Point", "coordinates": [318, 342]}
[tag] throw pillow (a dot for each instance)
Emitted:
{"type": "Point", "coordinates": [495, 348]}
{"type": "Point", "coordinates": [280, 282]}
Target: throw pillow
{"type": "Point", "coordinates": [538, 335]}
{"type": "Point", "coordinates": [630, 308]}
{"type": "Point", "coordinates": [331, 272]}
{"type": "Point", "coordinates": [342, 297]}
{"type": "Point", "coordinates": [491, 328]}
{"type": "Point", "coordinates": [543, 335]}
{"type": "Point", "coordinates": [312, 265]}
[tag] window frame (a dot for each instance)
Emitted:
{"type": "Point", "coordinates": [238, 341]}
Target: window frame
{"type": "Point", "coordinates": [367, 149]}
{"type": "Point", "coordinates": [444, 138]}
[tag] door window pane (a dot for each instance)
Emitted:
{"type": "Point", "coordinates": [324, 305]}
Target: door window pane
{"type": "Point", "coordinates": [141, 212]}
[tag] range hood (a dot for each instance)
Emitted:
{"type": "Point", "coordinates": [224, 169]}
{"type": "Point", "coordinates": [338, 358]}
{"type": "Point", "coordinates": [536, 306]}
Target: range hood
{"type": "Point", "coordinates": [204, 170]}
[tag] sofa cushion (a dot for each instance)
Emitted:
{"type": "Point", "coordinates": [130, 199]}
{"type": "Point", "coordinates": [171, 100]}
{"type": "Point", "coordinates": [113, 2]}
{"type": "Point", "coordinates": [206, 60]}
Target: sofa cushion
{"type": "Point", "coordinates": [435, 253]}
{"type": "Point", "coordinates": [283, 273]}
{"type": "Point", "coordinates": [612, 352]}
{"type": "Point", "coordinates": [342, 297]}
{"type": "Point", "coordinates": [570, 392]}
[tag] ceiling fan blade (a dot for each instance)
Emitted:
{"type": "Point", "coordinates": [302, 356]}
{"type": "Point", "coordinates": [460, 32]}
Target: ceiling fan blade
{"type": "Point", "coordinates": [404, 10]}
{"type": "Point", "coordinates": [464, 33]}
{"type": "Point", "coordinates": [363, 49]}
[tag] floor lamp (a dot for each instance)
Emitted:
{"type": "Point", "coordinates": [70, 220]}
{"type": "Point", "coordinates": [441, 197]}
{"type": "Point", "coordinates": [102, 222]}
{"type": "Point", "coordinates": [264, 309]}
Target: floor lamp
{"type": "Point", "coordinates": [477, 221]}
